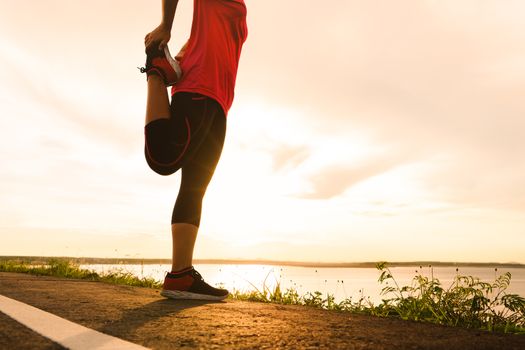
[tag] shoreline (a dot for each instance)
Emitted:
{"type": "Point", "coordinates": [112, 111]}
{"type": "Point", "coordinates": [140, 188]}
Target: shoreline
{"type": "Point", "coordinates": [370, 264]}
{"type": "Point", "coordinates": [65, 269]}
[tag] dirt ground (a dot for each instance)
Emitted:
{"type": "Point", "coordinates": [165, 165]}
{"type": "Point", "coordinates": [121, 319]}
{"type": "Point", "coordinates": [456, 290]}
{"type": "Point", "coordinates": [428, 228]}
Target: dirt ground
{"type": "Point", "coordinates": [142, 316]}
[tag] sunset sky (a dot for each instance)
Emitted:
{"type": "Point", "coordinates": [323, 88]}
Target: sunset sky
{"type": "Point", "coordinates": [360, 131]}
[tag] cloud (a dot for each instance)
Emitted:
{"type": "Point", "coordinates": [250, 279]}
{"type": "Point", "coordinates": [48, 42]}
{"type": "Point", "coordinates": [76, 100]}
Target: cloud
{"type": "Point", "coordinates": [60, 112]}
{"type": "Point", "coordinates": [286, 157]}
{"type": "Point", "coordinates": [333, 180]}
{"type": "Point", "coordinates": [473, 181]}
{"type": "Point", "coordinates": [452, 87]}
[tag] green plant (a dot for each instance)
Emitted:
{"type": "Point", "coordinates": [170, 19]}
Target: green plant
{"type": "Point", "coordinates": [67, 269]}
{"type": "Point", "coordinates": [467, 302]}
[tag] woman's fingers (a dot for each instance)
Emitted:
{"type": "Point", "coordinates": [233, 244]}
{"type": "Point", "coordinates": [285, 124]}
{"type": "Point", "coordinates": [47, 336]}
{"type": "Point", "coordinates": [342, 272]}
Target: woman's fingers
{"type": "Point", "coordinates": [158, 36]}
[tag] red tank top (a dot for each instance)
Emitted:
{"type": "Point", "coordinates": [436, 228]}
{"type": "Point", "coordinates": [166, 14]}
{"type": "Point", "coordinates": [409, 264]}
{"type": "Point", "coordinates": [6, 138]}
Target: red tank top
{"type": "Point", "coordinates": [209, 66]}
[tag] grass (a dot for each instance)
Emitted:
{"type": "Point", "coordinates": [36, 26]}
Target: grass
{"type": "Point", "coordinates": [467, 302]}
{"type": "Point", "coordinates": [67, 269]}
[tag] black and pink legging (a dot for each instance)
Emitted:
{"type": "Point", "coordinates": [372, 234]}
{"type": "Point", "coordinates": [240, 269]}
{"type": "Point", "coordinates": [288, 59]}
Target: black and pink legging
{"type": "Point", "coordinates": [191, 140]}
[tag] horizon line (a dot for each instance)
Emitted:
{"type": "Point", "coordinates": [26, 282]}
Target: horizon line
{"type": "Point", "coordinates": [364, 264]}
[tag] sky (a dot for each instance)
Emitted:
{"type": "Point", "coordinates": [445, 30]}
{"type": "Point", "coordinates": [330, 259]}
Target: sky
{"type": "Point", "coordinates": [360, 131]}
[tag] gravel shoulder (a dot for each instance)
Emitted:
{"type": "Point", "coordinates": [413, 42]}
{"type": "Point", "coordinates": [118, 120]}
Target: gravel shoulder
{"type": "Point", "coordinates": [142, 316]}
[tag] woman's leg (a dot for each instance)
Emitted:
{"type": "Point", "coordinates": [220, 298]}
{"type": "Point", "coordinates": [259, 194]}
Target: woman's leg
{"type": "Point", "coordinates": [183, 242]}
{"type": "Point", "coordinates": [164, 148]}
{"type": "Point", "coordinates": [190, 137]}
{"type": "Point", "coordinates": [196, 175]}
{"type": "Point", "coordinates": [158, 105]}
{"type": "Point", "coordinates": [184, 282]}
{"type": "Point", "coordinates": [167, 139]}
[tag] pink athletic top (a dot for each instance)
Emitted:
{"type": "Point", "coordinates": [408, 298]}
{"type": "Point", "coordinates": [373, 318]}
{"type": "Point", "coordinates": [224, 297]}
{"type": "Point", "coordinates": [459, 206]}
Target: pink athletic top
{"type": "Point", "coordinates": [209, 65]}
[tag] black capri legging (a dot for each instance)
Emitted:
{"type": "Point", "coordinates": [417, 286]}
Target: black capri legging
{"type": "Point", "coordinates": [190, 140]}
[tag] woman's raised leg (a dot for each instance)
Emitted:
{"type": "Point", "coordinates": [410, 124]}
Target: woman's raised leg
{"type": "Point", "coordinates": [158, 104]}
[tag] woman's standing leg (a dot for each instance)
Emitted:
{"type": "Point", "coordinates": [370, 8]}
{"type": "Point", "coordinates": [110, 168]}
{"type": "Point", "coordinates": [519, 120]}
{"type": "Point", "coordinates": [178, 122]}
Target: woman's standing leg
{"type": "Point", "coordinates": [184, 282]}
{"type": "Point", "coordinates": [183, 236]}
{"type": "Point", "coordinates": [196, 175]}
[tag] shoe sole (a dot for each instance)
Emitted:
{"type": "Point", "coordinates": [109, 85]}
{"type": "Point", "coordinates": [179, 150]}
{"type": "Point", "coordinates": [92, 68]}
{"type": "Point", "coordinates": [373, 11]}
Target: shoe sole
{"type": "Point", "coordinates": [173, 62]}
{"type": "Point", "coordinates": [176, 294]}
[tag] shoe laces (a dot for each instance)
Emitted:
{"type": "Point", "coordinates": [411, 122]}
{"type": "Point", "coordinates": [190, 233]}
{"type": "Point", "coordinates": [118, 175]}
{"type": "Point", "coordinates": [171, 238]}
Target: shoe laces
{"type": "Point", "coordinates": [197, 275]}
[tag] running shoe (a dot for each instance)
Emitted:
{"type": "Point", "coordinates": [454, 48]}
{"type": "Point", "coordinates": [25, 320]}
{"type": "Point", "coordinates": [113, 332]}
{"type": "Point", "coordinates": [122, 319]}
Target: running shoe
{"type": "Point", "coordinates": [189, 284]}
{"type": "Point", "coordinates": [162, 63]}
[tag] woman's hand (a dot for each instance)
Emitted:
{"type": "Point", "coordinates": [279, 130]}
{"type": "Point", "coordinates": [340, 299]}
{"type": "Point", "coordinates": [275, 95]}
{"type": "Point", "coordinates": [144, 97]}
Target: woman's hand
{"type": "Point", "coordinates": [159, 36]}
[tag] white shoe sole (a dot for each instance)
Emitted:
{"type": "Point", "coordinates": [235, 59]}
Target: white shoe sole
{"type": "Point", "coordinates": [173, 62]}
{"type": "Point", "coordinates": [175, 294]}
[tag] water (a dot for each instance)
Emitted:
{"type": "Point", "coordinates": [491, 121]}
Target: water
{"type": "Point", "coordinates": [342, 283]}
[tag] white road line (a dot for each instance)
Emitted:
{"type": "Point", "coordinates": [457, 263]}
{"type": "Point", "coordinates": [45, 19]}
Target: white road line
{"type": "Point", "coordinates": [62, 331]}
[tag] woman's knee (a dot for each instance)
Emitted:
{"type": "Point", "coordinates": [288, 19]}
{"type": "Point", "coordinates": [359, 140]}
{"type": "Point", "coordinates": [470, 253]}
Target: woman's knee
{"type": "Point", "coordinates": [162, 169]}
{"type": "Point", "coordinates": [163, 155]}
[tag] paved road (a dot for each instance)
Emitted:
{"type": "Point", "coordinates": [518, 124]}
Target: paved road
{"type": "Point", "coordinates": [141, 316]}
{"type": "Point", "coordinates": [15, 336]}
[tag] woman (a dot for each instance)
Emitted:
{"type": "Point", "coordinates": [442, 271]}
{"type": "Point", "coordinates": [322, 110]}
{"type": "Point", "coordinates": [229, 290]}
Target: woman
{"type": "Point", "coordinates": [188, 134]}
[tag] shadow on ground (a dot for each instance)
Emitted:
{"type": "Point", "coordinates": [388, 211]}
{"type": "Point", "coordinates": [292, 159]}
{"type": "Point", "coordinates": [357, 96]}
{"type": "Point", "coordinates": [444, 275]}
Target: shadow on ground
{"type": "Point", "coordinates": [151, 313]}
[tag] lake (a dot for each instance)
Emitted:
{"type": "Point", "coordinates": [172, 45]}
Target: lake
{"type": "Point", "coordinates": [341, 282]}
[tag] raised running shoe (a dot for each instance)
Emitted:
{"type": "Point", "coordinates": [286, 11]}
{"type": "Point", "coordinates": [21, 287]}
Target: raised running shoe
{"type": "Point", "coordinates": [189, 284]}
{"type": "Point", "coordinates": [162, 63]}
